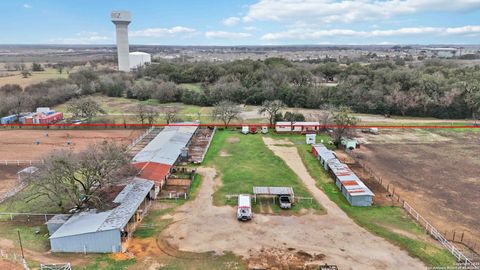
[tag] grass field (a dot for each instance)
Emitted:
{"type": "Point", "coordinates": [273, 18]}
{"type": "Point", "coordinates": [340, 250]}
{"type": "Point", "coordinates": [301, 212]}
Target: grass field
{"type": "Point", "coordinates": [391, 223]}
{"type": "Point", "coordinates": [36, 77]}
{"type": "Point", "coordinates": [243, 161]}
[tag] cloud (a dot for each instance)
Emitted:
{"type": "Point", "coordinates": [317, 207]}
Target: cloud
{"type": "Point", "coordinates": [250, 28]}
{"type": "Point", "coordinates": [231, 21]}
{"type": "Point", "coordinates": [347, 11]}
{"type": "Point", "coordinates": [83, 37]}
{"type": "Point", "coordinates": [27, 6]}
{"type": "Point", "coordinates": [164, 32]}
{"type": "Point", "coordinates": [226, 35]}
{"type": "Point", "coordinates": [311, 34]}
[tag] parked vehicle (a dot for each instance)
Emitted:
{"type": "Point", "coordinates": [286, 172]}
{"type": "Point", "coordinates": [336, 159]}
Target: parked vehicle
{"type": "Point", "coordinates": [253, 130]}
{"type": "Point", "coordinates": [245, 130]}
{"type": "Point", "coordinates": [244, 210]}
{"type": "Point", "coordinates": [285, 201]}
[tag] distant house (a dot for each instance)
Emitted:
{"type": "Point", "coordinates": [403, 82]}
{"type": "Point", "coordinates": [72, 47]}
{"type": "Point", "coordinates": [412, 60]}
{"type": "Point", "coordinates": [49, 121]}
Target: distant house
{"type": "Point", "coordinates": [103, 232]}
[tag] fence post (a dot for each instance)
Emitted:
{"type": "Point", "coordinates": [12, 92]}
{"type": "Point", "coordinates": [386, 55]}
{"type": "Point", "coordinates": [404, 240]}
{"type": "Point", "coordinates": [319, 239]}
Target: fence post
{"type": "Point", "coordinates": [461, 238]}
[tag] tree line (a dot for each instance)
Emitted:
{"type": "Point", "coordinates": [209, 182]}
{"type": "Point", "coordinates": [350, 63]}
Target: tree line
{"type": "Point", "coordinates": [429, 88]}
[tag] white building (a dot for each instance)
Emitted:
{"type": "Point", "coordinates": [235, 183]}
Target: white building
{"type": "Point", "coordinates": [139, 59]}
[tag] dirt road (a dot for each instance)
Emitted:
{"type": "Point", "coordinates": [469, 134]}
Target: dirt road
{"type": "Point", "coordinates": [199, 226]}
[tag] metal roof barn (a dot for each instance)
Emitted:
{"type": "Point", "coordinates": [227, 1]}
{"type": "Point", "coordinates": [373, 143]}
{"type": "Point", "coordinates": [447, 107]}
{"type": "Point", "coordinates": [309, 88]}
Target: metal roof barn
{"type": "Point", "coordinates": [166, 147]}
{"type": "Point", "coordinates": [101, 232]}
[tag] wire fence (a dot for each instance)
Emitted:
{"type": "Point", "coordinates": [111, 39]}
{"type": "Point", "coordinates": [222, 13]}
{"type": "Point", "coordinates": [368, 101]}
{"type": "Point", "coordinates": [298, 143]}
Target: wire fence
{"type": "Point", "coordinates": [429, 228]}
{"type": "Point", "coordinates": [14, 257]}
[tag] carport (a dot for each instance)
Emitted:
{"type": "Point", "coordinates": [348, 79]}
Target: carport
{"type": "Point", "coordinates": [273, 192]}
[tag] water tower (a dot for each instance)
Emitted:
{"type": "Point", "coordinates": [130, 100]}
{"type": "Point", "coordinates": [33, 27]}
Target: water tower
{"type": "Point", "coordinates": [122, 19]}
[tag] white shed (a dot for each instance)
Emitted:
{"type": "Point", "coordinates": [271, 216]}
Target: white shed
{"type": "Point", "coordinates": [139, 59]}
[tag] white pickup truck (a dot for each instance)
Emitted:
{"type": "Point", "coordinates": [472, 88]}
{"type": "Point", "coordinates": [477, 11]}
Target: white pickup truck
{"type": "Point", "coordinates": [244, 210]}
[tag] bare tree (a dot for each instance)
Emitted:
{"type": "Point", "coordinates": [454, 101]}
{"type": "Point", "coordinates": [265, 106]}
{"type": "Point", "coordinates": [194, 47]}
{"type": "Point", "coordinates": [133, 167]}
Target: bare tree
{"type": "Point", "coordinates": [325, 116]}
{"type": "Point", "coordinates": [151, 114]}
{"type": "Point", "coordinates": [141, 112]}
{"type": "Point", "coordinates": [84, 107]}
{"type": "Point", "coordinates": [76, 180]}
{"type": "Point", "coordinates": [26, 73]}
{"type": "Point", "coordinates": [271, 108]}
{"type": "Point", "coordinates": [170, 114]}
{"type": "Point", "coordinates": [226, 111]}
{"type": "Point", "coordinates": [344, 121]}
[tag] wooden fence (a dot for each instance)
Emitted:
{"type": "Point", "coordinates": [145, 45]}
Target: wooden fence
{"type": "Point", "coordinates": [429, 228]}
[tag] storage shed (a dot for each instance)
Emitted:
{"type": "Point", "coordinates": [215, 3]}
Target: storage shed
{"type": "Point", "coordinates": [323, 154]}
{"type": "Point", "coordinates": [283, 126]}
{"type": "Point", "coordinates": [310, 138]}
{"type": "Point", "coordinates": [356, 193]}
{"type": "Point", "coordinates": [349, 143]}
{"type": "Point", "coordinates": [105, 232]}
{"type": "Point", "coordinates": [305, 126]}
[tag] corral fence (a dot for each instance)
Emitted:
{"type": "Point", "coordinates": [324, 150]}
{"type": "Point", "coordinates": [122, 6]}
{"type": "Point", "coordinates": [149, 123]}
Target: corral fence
{"type": "Point", "coordinates": [7, 216]}
{"type": "Point", "coordinates": [22, 162]}
{"type": "Point", "coordinates": [62, 266]}
{"type": "Point", "coordinates": [139, 138]}
{"type": "Point", "coordinates": [12, 191]}
{"type": "Point", "coordinates": [14, 257]}
{"type": "Point", "coordinates": [429, 228]}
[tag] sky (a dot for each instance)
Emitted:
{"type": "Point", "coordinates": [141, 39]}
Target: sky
{"type": "Point", "coordinates": [243, 22]}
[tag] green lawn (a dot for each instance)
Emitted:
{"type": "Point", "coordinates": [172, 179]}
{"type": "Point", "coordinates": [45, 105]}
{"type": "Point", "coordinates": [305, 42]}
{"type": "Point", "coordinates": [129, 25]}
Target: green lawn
{"type": "Point", "coordinates": [385, 221]}
{"type": "Point", "coordinates": [244, 161]}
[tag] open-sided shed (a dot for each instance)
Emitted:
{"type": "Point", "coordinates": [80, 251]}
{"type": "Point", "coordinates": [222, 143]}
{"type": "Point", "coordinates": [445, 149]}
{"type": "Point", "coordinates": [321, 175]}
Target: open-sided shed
{"type": "Point", "coordinates": [273, 192]}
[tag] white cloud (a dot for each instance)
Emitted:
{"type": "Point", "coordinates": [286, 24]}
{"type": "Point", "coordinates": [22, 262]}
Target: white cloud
{"type": "Point", "coordinates": [163, 32]}
{"type": "Point", "coordinates": [83, 37]}
{"type": "Point", "coordinates": [328, 11]}
{"type": "Point", "coordinates": [250, 28]}
{"type": "Point", "coordinates": [27, 6]}
{"type": "Point", "coordinates": [311, 34]}
{"type": "Point", "coordinates": [231, 21]}
{"type": "Point", "coordinates": [226, 35]}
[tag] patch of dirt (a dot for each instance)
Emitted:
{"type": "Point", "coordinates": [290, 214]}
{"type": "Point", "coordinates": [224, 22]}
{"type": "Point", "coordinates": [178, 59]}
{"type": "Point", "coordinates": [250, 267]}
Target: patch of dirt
{"type": "Point", "coordinates": [8, 177]}
{"type": "Point", "coordinates": [224, 153]}
{"type": "Point", "coordinates": [439, 179]}
{"type": "Point", "coordinates": [20, 144]}
{"type": "Point", "coordinates": [4, 264]}
{"type": "Point", "coordinates": [274, 258]}
{"type": "Point", "coordinates": [233, 140]}
{"type": "Point", "coordinates": [199, 226]}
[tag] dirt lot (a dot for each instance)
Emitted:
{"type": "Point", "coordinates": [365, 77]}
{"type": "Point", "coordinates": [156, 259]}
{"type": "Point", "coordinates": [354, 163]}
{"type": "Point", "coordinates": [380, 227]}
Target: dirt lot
{"type": "Point", "coordinates": [8, 177]}
{"type": "Point", "coordinates": [276, 241]}
{"type": "Point", "coordinates": [20, 144]}
{"type": "Point", "coordinates": [436, 172]}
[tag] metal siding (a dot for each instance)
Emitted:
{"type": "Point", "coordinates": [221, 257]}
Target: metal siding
{"type": "Point", "coordinates": [97, 242]}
